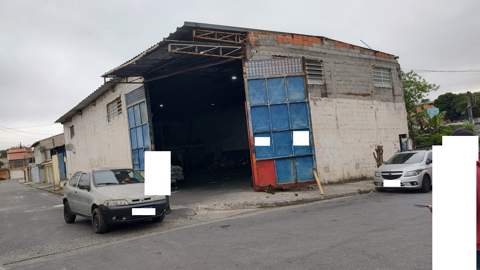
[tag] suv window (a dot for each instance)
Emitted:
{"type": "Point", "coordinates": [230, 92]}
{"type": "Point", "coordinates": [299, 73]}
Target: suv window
{"type": "Point", "coordinates": [84, 180]}
{"type": "Point", "coordinates": [73, 181]}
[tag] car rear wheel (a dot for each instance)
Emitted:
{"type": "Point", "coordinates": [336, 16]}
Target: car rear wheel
{"type": "Point", "coordinates": [98, 222]}
{"type": "Point", "coordinates": [426, 184]}
{"type": "Point", "coordinates": [67, 213]}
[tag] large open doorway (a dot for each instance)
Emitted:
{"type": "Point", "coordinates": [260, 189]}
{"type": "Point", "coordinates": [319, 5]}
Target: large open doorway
{"type": "Point", "coordinates": [200, 117]}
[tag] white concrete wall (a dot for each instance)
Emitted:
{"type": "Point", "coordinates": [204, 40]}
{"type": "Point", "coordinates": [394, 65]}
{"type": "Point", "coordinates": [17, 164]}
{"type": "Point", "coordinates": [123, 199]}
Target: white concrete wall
{"type": "Point", "coordinates": [346, 132]}
{"type": "Point", "coordinates": [349, 115]}
{"type": "Point", "coordinates": [98, 143]}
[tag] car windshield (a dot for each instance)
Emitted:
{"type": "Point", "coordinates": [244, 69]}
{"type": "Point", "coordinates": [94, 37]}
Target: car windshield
{"type": "Point", "coordinates": [406, 158]}
{"type": "Point", "coordinates": [116, 177]}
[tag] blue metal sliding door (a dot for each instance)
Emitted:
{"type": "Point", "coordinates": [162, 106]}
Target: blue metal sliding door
{"type": "Point", "coordinates": [280, 117]}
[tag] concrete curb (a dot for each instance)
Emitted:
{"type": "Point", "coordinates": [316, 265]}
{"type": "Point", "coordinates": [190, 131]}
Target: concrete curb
{"type": "Point", "coordinates": [56, 192]}
{"type": "Point", "coordinates": [256, 205]}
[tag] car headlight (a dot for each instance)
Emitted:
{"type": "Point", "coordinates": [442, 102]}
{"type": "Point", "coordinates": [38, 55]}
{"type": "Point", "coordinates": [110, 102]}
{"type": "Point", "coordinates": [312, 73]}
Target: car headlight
{"type": "Point", "coordinates": [116, 202]}
{"type": "Point", "coordinates": [378, 174]}
{"type": "Point", "coordinates": [412, 173]}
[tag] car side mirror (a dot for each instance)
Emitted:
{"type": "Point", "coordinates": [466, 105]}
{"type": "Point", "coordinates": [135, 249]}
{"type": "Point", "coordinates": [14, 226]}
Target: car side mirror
{"type": "Point", "coordinates": [429, 161]}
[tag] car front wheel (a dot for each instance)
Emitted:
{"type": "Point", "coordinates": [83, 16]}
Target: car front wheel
{"type": "Point", "coordinates": [98, 222]}
{"type": "Point", "coordinates": [67, 213]}
{"type": "Point", "coordinates": [426, 184]}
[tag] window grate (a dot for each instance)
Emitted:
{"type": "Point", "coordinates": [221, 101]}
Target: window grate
{"type": "Point", "coordinates": [274, 67]}
{"type": "Point", "coordinates": [382, 77]}
{"type": "Point", "coordinates": [114, 109]}
{"type": "Point", "coordinates": [314, 71]}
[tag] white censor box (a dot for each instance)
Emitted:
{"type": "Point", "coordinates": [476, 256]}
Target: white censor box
{"type": "Point", "coordinates": [157, 173]}
{"type": "Point", "coordinates": [301, 138]}
{"type": "Point", "coordinates": [143, 211]}
{"type": "Point", "coordinates": [454, 203]}
{"type": "Point", "coordinates": [262, 141]}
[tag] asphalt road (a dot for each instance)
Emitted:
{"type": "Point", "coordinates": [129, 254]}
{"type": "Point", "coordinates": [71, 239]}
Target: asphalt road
{"type": "Point", "coordinates": [370, 231]}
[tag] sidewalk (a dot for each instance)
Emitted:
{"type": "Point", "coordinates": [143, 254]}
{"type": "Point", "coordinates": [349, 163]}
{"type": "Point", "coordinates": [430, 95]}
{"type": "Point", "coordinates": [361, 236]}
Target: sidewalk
{"type": "Point", "coordinates": [46, 187]}
{"type": "Point", "coordinates": [237, 197]}
{"type": "Point", "coordinates": [243, 197]}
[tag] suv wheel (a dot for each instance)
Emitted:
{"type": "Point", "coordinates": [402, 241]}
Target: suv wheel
{"type": "Point", "coordinates": [98, 221]}
{"type": "Point", "coordinates": [426, 184]}
{"type": "Point", "coordinates": [67, 213]}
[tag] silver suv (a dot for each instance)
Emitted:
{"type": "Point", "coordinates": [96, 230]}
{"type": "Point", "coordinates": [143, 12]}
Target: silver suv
{"type": "Point", "coordinates": [406, 170]}
{"type": "Point", "coordinates": [110, 196]}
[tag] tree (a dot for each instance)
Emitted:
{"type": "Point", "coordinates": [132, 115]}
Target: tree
{"type": "Point", "coordinates": [455, 105]}
{"type": "Point", "coordinates": [416, 88]}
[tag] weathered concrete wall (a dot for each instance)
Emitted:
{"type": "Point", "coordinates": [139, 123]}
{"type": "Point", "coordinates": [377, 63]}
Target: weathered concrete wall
{"type": "Point", "coordinates": [97, 142]}
{"type": "Point", "coordinates": [354, 116]}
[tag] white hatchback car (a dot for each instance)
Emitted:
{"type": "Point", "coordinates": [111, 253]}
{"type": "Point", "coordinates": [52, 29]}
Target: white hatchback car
{"type": "Point", "coordinates": [108, 196]}
{"type": "Point", "coordinates": [406, 170]}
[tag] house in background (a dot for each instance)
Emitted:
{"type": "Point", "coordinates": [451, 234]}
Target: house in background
{"type": "Point", "coordinates": [18, 160]}
{"type": "Point", "coordinates": [49, 166]}
{"type": "Point", "coordinates": [431, 110]}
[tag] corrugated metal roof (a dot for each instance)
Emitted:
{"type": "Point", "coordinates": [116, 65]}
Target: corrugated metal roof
{"type": "Point", "coordinates": [158, 53]}
{"type": "Point", "coordinates": [158, 59]}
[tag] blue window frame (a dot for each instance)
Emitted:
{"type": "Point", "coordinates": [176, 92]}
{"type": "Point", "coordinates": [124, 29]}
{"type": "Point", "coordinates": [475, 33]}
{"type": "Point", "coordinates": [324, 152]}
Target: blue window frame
{"type": "Point", "coordinates": [139, 134]}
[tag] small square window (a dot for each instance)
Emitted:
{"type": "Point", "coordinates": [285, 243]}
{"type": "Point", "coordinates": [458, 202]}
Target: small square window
{"type": "Point", "coordinates": [114, 109]}
{"type": "Point", "coordinates": [382, 77]}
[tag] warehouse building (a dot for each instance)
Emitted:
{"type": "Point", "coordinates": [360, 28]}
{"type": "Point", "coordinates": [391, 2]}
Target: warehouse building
{"type": "Point", "coordinates": [228, 102]}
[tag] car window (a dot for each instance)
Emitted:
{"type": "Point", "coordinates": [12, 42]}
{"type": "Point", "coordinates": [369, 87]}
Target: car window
{"type": "Point", "coordinates": [116, 177]}
{"type": "Point", "coordinates": [73, 181]}
{"type": "Point", "coordinates": [84, 180]}
{"type": "Point", "coordinates": [406, 158]}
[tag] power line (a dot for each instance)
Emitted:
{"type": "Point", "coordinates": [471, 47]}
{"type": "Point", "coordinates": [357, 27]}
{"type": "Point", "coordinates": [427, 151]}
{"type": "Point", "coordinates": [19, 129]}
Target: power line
{"type": "Point", "coordinates": [447, 71]}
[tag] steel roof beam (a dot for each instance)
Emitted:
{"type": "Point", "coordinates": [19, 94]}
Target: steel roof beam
{"type": "Point", "coordinates": [235, 52]}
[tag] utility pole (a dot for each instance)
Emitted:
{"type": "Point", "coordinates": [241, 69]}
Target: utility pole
{"type": "Point", "coordinates": [469, 107]}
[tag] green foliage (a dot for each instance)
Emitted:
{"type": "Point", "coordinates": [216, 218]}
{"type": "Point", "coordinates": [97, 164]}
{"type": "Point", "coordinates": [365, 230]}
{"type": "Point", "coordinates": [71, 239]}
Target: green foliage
{"type": "Point", "coordinates": [455, 105]}
{"type": "Point", "coordinates": [416, 88]}
{"type": "Point", "coordinates": [420, 125]}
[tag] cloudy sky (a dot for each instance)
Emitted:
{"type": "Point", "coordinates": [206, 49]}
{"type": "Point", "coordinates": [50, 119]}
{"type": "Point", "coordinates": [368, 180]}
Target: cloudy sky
{"type": "Point", "coordinates": [52, 53]}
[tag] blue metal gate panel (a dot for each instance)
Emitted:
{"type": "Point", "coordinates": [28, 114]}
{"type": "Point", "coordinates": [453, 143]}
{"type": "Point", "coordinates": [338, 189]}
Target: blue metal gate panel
{"type": "Point", "coordinates": [276, 91]}
{"type": "Point", "coordinates": [257, 92]}
{"type": "Point", "coordinates": [299, 116]}
{"type": "Point", "coordinates": [279, 117]}
{"type": "Point", "coordinates": [296, 88]}
{"type": "Point", "coordinates": [285, 171]}
{"type": "Point", "coordinates": [260, 119]}
{"type": "Point", "coordinates": [262, 152]}
{"type": "Point", "coordinates": [282, 144]}
{"type": "Point", "coordinates": [303, 150]}
{"type": "Point", "coordinates": [304, 168]}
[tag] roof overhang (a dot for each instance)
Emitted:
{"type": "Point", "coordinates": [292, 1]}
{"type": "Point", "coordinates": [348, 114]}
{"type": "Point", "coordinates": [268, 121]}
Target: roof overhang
{"type": "Point", "coordinates": [209, 44]}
